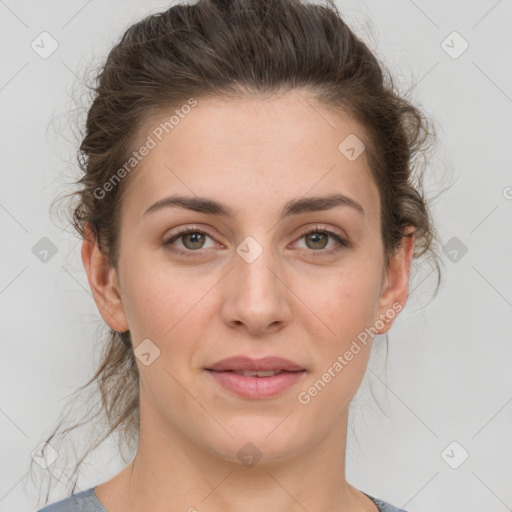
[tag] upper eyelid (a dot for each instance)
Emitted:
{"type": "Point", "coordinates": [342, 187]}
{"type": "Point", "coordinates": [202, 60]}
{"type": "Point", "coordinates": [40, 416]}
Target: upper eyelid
{"type": "Point", "coordinates": [317, 227]}
{"type": "Point", "coordinates": [323, 227]}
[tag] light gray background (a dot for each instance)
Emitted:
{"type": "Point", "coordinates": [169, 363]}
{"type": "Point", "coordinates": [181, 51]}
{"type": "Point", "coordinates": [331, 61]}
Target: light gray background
{"type": "Point", "coordinates": [448, 375]}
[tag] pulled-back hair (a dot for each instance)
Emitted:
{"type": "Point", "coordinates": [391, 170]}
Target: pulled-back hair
{"type": "Point", "coordinates": [227, 49]}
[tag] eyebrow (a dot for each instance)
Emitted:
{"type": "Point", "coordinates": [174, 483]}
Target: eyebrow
{"type": "Point", "coordinates": [293, 207]}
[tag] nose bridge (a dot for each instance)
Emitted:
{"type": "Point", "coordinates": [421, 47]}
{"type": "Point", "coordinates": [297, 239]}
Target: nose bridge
{"type": "Point", "coordinates": [253, 267]}
{"type": "Point", "coordinates": [256, 294]}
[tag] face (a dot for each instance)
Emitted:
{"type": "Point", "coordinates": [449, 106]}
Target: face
{"type": "Point", "coordinates": [267, 272]}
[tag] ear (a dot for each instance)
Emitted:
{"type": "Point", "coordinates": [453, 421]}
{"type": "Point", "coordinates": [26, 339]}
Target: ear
{"type": "Point", "coordinates": [103, 282]}
{"type": "Point", "coordinates": [395, 287]}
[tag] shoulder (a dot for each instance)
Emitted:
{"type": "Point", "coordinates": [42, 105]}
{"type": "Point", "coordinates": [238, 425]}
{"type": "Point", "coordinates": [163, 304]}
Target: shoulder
{"type": "Point", "coordinates": [85, 501]}
{"type": "Point", "coordinates": [384, 506]}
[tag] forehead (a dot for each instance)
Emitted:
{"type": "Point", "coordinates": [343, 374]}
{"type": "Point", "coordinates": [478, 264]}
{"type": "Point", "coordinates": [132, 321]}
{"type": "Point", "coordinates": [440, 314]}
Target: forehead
{"type": "Point", "coordinates": [251, 150]}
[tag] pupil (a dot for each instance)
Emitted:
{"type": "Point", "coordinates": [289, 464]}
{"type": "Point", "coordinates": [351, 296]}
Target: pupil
{"type": "Point", "coordinates": [195, 241]}
{"type": "Point", "coordinates": [316, 235]}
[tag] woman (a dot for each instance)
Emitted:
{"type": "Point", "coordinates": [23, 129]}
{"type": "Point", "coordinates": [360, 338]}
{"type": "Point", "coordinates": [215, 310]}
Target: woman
{"type": "Point", "coordinates": [249, 218]}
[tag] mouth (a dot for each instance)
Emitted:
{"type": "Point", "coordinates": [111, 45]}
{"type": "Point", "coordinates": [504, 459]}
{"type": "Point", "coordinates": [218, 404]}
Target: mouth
{"type": "Point", "coordinates": [256, 378]}
{"type": "Point", "coordinates": [261, 373]}
{"type": "Point", "coordinates": [246, 363]}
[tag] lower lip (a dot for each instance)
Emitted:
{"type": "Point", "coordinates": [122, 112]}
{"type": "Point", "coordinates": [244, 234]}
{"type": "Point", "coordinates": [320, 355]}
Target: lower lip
{"type": "Point", "coordinates": [256, 387]}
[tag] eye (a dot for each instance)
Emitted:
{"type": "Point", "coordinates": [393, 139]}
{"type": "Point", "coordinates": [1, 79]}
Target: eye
{"type": "Point", "coordinates": [192, 239]}
{"type": "Point", "coordinates": [317, 239]}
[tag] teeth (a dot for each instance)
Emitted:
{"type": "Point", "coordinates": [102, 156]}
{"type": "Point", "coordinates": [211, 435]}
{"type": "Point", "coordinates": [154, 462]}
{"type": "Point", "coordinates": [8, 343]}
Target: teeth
{"type": "Point", "coordinates": [261, 373]}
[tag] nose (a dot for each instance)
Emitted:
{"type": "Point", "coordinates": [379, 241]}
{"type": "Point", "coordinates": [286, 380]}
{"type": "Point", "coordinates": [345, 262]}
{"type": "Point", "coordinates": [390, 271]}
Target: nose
{"type": "Point", "coordinates": [256, 296]}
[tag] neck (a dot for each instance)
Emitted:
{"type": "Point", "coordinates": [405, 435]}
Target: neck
{"type": "Point", "coordinates": [170, 473]}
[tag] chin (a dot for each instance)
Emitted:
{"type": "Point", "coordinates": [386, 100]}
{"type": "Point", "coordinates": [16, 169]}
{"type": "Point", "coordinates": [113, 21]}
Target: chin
{"type": "Point", "coordinates": [259, 441]}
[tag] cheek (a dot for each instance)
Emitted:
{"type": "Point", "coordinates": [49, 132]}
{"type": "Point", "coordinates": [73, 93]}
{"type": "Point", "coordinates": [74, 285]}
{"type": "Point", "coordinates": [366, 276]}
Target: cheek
{"type": "Point", "coordinates": [162, 303]}
{"type": "Point", "coordinates": [150, 300]}
{"type": "Point", "coordinates": [342, 304]}
{"type": "Point", "coordinates": [342, 342]}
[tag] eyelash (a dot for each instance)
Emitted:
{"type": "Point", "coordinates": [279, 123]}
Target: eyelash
{"type": "Point", "coordinates": [342, 242]}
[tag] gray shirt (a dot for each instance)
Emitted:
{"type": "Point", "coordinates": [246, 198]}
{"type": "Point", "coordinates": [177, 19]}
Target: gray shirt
{"type": "Point", "coordinates": [86, 501]}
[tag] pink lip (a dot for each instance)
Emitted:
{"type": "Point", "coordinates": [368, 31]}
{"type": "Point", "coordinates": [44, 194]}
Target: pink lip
{"type": "Point", "coordinates": [256, 387]}
{"type": "Point", "coordinates": [248, 363]}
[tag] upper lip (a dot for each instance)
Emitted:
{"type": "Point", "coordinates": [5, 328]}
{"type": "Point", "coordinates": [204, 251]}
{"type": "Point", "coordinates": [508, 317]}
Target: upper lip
{"type": "Point", "coordinates": [237, 363]}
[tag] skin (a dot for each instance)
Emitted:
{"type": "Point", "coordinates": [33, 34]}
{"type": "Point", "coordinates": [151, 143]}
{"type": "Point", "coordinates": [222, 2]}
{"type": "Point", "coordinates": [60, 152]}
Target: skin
{"type": "Point", "coordinates": [254, 156]}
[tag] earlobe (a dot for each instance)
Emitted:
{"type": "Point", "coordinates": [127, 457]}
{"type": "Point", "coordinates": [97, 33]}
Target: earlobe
{"type": "Point", "coordinates": [104, 283]}
{"type": "Point", "coordinates": [396, 282]}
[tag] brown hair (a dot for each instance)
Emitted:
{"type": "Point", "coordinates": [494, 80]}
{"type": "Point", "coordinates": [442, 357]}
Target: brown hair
{"type": "Point", "coordinates": [224, 49]}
